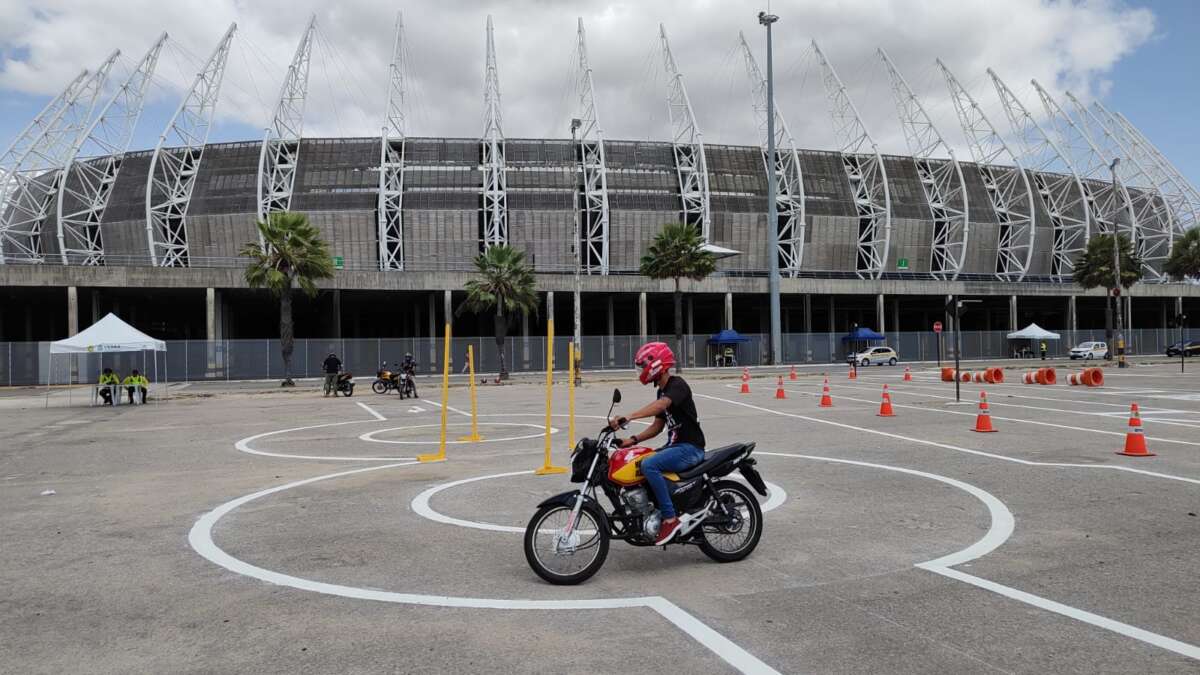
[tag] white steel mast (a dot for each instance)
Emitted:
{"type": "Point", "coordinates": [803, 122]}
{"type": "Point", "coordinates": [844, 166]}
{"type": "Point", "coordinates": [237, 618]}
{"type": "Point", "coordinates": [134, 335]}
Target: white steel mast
{"type": "Point", "coordinates": [595, 169]}
{"type": "Point", "coordinates": [1062, 193]}
{"type": "Point", "coordinates": [391, 161]}
{"type": "Point", "coordinates": [1185, 186]}
{"type": "Point", "coordinates": [866, 173]}
{"type": "Point", "coordinates": [34, 180]}
{"type": "Point", "coordinates": [281, 142]}
{"type": "Point", "coordinates": [688, 144]}
{"type": "Point", "coordinates": [789, 199]}
{"type": "Point", "coordinates": [87, 183]}
{"type": "Point", "coordinates": [495, 183]}
{"type": "Point", "coordinates": [941, 179]}
{"type": "Point", "coordinates": [1008, 187]}
{"type": "Point", "coordinates": [176, 162]}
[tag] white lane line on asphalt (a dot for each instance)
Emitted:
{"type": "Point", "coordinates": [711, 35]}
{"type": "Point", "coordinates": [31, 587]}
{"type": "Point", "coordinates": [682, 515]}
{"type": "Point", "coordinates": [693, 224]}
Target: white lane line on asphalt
{"type": "Point", "coordinates": [201, 541]}
{"type": "Point", "coordinates": [371, 410]}
{"type": "Point", "coordinates": [1122, 406]}
{"type": "Point", "coordinates": [955, 448]}
{"type": "Point", "coordinates": [1157, 439]}
{"type": "Point", "coordinates": [370, 435]}
{"type": "Point", "coordinates": [244, 445]}
{"type": "Point", "coordinates": [450, 408]}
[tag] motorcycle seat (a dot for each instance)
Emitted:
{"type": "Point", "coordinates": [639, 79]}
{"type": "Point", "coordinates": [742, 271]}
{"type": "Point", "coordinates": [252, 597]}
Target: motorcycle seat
{"type": "Point", "coordinates": [713, 459]}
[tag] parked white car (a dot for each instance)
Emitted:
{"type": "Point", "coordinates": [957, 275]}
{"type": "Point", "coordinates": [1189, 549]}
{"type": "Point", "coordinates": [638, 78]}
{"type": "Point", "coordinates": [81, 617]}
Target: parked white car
{"type": "Point", "coordinates": [874, 356]}
{"type": "Point", "coordinates": [1090, 350]}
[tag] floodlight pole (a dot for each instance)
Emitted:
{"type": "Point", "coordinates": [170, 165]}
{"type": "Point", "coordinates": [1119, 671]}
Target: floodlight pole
{"type": "Point", "coordinates": [772, 207]}
{"type": "Point", "coordinates": [1116, 289]}
{"type": "Point", "coordinates": [576, 123]}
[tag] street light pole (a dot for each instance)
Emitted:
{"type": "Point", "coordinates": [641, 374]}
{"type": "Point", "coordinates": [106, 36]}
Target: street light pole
{"type": "Point", "coordinates": [772, 206]}
{"type": "Point", "coordinates": [1116, 288]}
{"type": "Point", "coordinates": [575, 124]}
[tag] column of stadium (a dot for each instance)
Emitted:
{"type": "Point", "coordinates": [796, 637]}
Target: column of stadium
{"type": "Point", "coordinates": [391, 161]}
{"type": "Point", "coordinates": [595, 170]}
{"type": "Point", "coordinates": [494, 228]}
{"type": "Point", "coordinates": [86, 183]}
{"type": "Point", "coordinates": [1057, 182]}
{"type": "Point", "coordinates": [177, 159]}
{"type": "Point", "coordinates": [1193, 196]}
{"type": "Point", "coordinates": [688, 145]}
{"type": "Point", "coordinates": [864, 170]}
{"type": "Point", "coordinates": [34, 177]}
{"type": "Point", "coordinates": [942, 180]}
{"type": "Point", "coordinates": [1009, 190]}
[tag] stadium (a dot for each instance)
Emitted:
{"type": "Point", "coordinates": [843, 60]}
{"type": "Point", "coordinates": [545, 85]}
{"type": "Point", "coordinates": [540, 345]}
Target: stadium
{"type": "Point", "coordinates": [865, 239]}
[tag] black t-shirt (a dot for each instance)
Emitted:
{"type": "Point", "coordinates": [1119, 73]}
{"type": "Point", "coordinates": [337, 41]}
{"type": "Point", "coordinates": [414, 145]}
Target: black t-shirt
{"type": "Point", "coordinates": [683, 424]}
{"type": "Point", "coordinates": [332, 365]}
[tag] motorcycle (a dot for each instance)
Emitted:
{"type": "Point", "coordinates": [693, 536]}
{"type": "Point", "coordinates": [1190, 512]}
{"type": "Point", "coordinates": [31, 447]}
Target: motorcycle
{"type": "Point", "coordinates": [567, 539]}
{"type": "Point", "coordinates": [385, 380]}
{"type": "Point", "coordinates": [406, 384]}
{"type": "Point", "coordinates": [345, 385]}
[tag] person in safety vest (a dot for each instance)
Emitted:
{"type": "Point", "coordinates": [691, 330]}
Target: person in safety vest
{"type": "Point", "coordinates": [107, 379]}
{"type": "Point", "coordinates": [135, 381]}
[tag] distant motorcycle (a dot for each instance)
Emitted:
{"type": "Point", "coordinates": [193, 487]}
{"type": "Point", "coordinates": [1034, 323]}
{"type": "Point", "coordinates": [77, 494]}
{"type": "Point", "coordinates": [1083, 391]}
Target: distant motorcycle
{"type": "Point", "coordinates": [406, 384]}
{"type": "Point", "coordinates": [345, 385]}
{"type": "Point", "coordinates": [385, 380]}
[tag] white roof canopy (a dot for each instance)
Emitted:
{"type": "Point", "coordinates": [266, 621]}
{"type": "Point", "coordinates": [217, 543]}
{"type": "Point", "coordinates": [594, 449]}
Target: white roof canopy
{"type": "Point", "coordinates": [109, 334]}
{"type": "Point", "coordinates": [1033, 332]}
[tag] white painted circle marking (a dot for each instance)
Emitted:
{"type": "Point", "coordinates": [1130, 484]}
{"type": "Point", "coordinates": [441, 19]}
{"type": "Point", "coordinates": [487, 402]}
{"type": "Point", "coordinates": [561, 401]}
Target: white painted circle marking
{"type": "Point", "coordinates": [370, 435]}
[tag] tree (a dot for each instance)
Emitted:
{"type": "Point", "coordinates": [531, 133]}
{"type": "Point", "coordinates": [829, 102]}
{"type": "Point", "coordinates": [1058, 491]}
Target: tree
{"type": "Point", "coordinates": [505, 286]}
{"type": "Point", "coordinates": [677, 252]}
{"type": "Point", "coordinates": [1185, 256]}
{"type": "Point", "coordinates": [294, 255]}
{"type": "Point", "coordinates": [1095, 267]}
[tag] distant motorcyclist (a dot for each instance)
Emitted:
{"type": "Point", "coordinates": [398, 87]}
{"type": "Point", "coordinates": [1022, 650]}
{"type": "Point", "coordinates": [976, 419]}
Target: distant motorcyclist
{"type": "Point", "coordinates": [675, 409]}
{"type": "Point", "coordinates": [409, 367]}
{"type": "Point", "coordinates": [332, 366]}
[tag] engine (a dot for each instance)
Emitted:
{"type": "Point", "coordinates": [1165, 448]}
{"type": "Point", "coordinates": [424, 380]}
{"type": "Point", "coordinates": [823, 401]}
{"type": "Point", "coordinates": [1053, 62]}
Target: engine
{"type": "Point", "coordinates": [637, 500]}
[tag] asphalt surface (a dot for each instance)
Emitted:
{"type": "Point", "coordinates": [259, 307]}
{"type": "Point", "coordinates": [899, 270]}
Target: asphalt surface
{"type": "Point", "coordinates": [121, 570]}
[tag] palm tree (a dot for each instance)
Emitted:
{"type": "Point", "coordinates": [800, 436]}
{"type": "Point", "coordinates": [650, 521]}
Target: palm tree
{"type": "Point", "coordinates": [678, 253]}
{"type": "Point", "coordinates": [1095, 266]}
{"type": "Point", "coordinates": [505, 286]}
{"type": "Point", "coordinates": [1185, 256]}
{"type": "Point", "coordinates": [294, 255]}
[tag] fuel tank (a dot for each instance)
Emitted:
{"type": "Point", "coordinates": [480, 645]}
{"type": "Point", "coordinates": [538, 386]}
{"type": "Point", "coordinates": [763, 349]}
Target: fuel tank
{"type": "Point", "coordinates": [623, 466]}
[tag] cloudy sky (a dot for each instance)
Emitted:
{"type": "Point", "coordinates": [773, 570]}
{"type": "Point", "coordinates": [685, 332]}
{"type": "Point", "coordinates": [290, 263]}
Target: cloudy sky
{"type": "Point", "coordinates": [1135, 57]}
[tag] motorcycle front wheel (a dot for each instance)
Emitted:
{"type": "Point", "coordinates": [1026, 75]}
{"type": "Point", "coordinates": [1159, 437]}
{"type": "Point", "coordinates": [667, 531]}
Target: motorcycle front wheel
{"type": "Point", "coordinates": [733, 541]}
{"type": "Point", "coordinates": [379, 387]}
{"type": "Point", "coordinates": [566, 560]}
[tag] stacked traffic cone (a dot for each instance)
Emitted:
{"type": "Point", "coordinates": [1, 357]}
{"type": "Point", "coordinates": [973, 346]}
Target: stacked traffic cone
{"type": "Point", "coordinates": [1135, 440]}
{"type": "Point", "coordinates": [885, 406]}
{"type": "Point", "coordinates": [983, 422]}
{"type": "Point", "coordinates": [826, 399]}
{"type": "Point", "coordinates": [1135, 415]}
{"type": "Point", "coordinates": [745, 381]}
{"type": "Point", "coordinates": [907, 374]}
{"type": "Point", "coordinates": [779, 393]}
{"type": "Point", "coordinates": [853, 374]}
{"type": "Point", "coordinates": [792, 375]}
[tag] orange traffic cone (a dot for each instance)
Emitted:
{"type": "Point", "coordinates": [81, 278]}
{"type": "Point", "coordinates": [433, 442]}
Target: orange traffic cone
{"type": "Point", "coordinates": [792, 375]}
{"type": "Point", "coordinates": [1135, 444]}
{"type": "Point", "coordinates": [885, 406]}
{"type": "Point", "coordinates": [1135, 415]}
{"type": "Point", "coordinates": [983, 422]}
{"type": "Point", "coordinates": [853, 374]}
{"type": "Point", "coordinates": [907, 374]}
{"type": "Point", "coordinates": [826, 399]}
{"type": "Point", "coordinates": [779, 393]}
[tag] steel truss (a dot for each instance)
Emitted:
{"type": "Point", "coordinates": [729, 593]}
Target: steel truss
{"type": "Point", "coordinates": [688, 144]}
{"type": "Point", "coordinates": [391, 162]}
{"type": "Point", "coordinates": [30, 135]}
{"type": "Point", "coordinates": [865, 171]}
{"type": "Point", "coordinates": [280, 153]}
{"type": "Point", "coordinates": [941, 179]}
{"type": "Point", "coordinates": [1009, 190]}
{"type": "Point", "coordinates": [34, 179]}
{"type": "Point", "coordinates": [176, 162]}
{"type": "Point", "coordinates": [594, 214]}
{"type": "Point", "coordinates": [494, 223]}
{"type": "Point", "coordinates": [87, 183]}
{"type": "Point", "coordinates": [1062, 193]}
{"type": "Point", "coordinates": [1188, 196]}
{"type": "Point", "coordinates": [790, 199]}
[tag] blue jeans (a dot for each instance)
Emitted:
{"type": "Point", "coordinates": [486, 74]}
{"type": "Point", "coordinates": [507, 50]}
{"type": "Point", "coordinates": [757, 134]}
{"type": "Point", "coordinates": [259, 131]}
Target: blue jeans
{"type": "Point", "coordinates": [671, 458]}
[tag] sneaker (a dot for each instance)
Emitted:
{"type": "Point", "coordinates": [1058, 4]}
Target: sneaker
{"type": "Point", "coordinates": [667, 531]}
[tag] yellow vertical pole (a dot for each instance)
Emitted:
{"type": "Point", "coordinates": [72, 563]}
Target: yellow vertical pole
{"type": "Point", "coordinates": [441, 453]}
{"type": "Point", "coordinates": [571, 395]}
{"type": "Point", "coordinates": [474, 436]}
{"type": "Point", "coordinates": [547, 467]}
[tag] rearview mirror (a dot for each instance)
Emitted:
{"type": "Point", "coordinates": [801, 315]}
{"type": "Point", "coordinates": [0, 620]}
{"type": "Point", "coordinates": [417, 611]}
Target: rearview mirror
{"type": "Point", "coordinates": [616, 396]}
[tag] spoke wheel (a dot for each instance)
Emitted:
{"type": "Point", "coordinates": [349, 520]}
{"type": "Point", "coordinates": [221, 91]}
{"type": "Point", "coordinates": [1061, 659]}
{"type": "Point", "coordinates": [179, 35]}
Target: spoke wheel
{"type": "Point", "coordinates": [379, 387]}
{"type": "Point", "coordinates": [733, 541]}
{"type": "Point", "coordinates": [569, 559]}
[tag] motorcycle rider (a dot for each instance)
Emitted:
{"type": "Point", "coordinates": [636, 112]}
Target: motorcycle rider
{"type": "Point", "coordinates": [675, 409]}
{"type": "Point", "coordinates": [409, 366]}
{"type": "Point", "coordinates": [332, 366]}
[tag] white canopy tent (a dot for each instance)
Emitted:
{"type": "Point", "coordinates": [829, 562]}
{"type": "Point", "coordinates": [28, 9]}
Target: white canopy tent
{"type": "Point", "coordinates": [1033, 332]}
{"type": "Point", "coordinates": [107, 335]}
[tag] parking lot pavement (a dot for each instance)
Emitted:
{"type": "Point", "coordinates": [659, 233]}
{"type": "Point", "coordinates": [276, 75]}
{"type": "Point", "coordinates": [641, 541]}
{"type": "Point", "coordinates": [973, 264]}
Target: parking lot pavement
{"type": "Point", "coordinates": [235, 531]}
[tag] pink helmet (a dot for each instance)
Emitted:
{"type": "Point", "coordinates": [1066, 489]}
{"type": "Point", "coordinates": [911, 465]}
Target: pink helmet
{"type": "Point", "coordinates": [653, 358]}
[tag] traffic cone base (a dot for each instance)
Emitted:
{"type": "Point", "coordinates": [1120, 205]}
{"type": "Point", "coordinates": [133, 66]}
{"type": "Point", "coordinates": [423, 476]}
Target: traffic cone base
{"type": "Point", "coordinates": [1135, 444]}
{"type": "Point", "coordinates": [745, 388]}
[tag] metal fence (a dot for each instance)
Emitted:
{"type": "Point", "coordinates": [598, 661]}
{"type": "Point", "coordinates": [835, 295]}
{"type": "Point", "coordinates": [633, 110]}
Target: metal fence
{"type": "Point", "coordinates": [27, 363]}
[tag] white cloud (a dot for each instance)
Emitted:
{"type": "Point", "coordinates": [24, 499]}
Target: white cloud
{"type": "Point", "coordinates": [1062, 44]}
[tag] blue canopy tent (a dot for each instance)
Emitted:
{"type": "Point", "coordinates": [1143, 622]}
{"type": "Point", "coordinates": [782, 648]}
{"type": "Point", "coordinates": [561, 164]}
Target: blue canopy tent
{"type": "Point", "coordinates": [723, 347]}
{"type": "Point", "coordinates": [860, 338]}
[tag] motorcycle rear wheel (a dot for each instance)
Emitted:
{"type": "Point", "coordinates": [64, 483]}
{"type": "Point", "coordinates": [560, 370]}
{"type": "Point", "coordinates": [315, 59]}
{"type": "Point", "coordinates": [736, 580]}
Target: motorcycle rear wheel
{"type": "Point", "coordinates": [725, 543]}
{"type": "Point", "coordinates": [379, 387]}
{"type": "Point", "coordinates": [593, 538]}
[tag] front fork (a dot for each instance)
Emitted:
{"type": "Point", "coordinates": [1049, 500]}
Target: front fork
{"type": "Point", "coordinates": [567, 538]}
